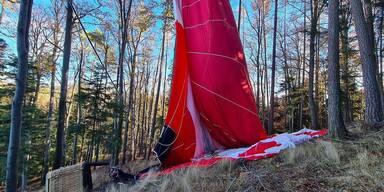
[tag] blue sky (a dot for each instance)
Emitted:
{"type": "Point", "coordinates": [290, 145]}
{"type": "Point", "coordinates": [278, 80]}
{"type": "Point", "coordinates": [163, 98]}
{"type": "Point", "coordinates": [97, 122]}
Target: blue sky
{"type": "Point", "coordinates": [158, 25]}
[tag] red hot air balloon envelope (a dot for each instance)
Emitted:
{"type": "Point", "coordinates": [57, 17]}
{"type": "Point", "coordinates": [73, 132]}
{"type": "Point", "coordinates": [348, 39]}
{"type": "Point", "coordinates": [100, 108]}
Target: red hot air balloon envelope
{"type": "Point", "coordinates": [212, 106]}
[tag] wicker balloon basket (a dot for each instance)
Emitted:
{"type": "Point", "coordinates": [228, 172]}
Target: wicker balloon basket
{"type": "Point", "coordinates": [74, 178]}
{"type": "Point", "coordinates": [66, 179]}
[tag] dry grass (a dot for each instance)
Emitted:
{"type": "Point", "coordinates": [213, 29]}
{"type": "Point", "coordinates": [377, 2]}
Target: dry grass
{"type": "Point", "coordinates": [319, 165]}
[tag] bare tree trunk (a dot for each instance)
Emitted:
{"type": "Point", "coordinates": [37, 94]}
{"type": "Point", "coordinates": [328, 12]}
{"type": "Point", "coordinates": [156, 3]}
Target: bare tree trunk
{"type": "Point", "coordinates": [37, 88]}
{"type": "Point", "coordinates": [287, 82]}
{"type": "Point", "coordinates": [60, 141]}
{"type": "Point", "coordinates": [143, 120]}
{"type": "Point", "coordinates": [258, 72]}
{"type": "Point", "coordinates": [272, 99]}
{"type": "Point", "coordinates": [336, 125]}
{"type": "Point", "coordinates": [265, 84]}
{"type": "Point", "coordinates": [311, 98]}
{"type": "Point", "coordinates": [124, 19]}
{"type": "Point", "coordinates": [137, 124]}
{"type": "Point", "coordinates": [379, 49]}
{"type": "Point", "coordinates": [130, 114]}
{"type": "Point", "coordinates": [17, 103]}
{"type": "Point", "coordinates": [347, 111]}
{"type": "Point", "coordinates": [78, 106]}
{"type": "Point", "coordinates": [154, 117]}
{"type": "Point", "coordinates": [164, 82]}
{"type": "Point", "coordinates": [148, 147]}
{"type": "Point", "coordinates": [304, 64]}
{"type": "Point", "coordinates": [50, 113]}
{"type": "Point", "coordinates": [239, 18]}
{"type": "Point", "coordinates": [373, 111]}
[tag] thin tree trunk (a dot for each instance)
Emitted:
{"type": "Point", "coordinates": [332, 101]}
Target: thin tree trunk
{"type": "Point", "coordinates": [153, 126]}
{"type": "Point", "coordinates": [272, 99]}
{"type": "Point", "coordinates": [124, 19]}
{"type": "Point", "coordinates": [50, 114]}
{"type": "Point", "coordinates": [258, 72]}
{"type": "Point", "coordinates": [304, 65]}
{"type": "Point", "coordinates": [78, 106]}
{"type": "Point", "coordinates": [164, 82]}
{"type": "Point", "coordinates": [151, 110]}
{"type": "Point", "coordinates": [130, 113]}
{"type": "Point", "coordinates": [311, 98]}
{"type": "Point", "coordinates": [37, 88]}
{"type": "Point", "coordinates": [17, 103]}
{"type": "Point", "coordinates": [348, 114]}
{"type": "Point", "coordinates": [265, 84]}
{"type": "Point", "coordinates": [59, 157]}
{"type": "Point", "coordinates": [144, 112]}
{"type": "Point", "coordinates": [239, 18]}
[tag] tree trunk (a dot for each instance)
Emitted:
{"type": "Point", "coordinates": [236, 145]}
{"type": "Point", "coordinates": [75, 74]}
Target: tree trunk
{"type": "Point", "coordinates": [239, 18]}
{"type": "Point", "coordinates": [17, 103]}
{"type": "Point", "coordinates": [37, 88]}
{"type": "Point", "coordinates": [304, 65]}
{"type": "Point", "coordinates": [60, 159]}
{"type": "Point", "coordinates": [78, 105]}
{"type": "Point", "coordinates": [258, 72]}
{"type": "Point", "coordinates": [265, 84]}
{"type": "Point", "coordinates": [272, 98]}
{"type": "Point", "coordinates": [379, 49]}
{"type": "Point", "coordinates": [347, 111]}
{"type": "Point", "coordinates": [148, 147]}
{"type": "Point", "coordinates": [130, 112]}
{"type": "Point", "coordinates": [153, 126]}
{"type": "Point", "coordinates": [311, 98]}
{"type": "Point", "coordinates": [336, 125]}
{"type": "Point", "coordinates": [373, 111]}
{"type": "Point", "coordinates": [50, 112]}
{"type": "Point", "coordinates": [124, 19]}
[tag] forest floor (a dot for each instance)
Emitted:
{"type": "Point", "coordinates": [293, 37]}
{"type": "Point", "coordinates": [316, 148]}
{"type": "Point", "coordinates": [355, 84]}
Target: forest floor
{"type": "Point", "coordinates": [355, 164]}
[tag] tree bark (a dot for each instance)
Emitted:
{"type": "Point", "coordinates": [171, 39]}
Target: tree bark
{"type": "Point", "coordinates": [17, 103]}
{"type": "Point", "coordinates": [130, 113]}
{"type": "Point", "coordinates": [124, 21]}
{"type": "Point", "coordinates": [50, 110]}
{"type": "Point", "coordinates": [311, 98]}
{"type": "Point", "coordinates": [60, 141]}
{"type": "Point", "coordinates": [304, 65]}
{"type": "Point", "coordinates": [154, 117]}
{"type": "Point", "coordinates": [336, 127]}
{"type": "Point", "coordinates": [239, 18]}
{"type": "Point", "coordinates": [272, 98]}
{"type": "Point", "coordinates": [373, 111]}
{"type": "Point", "coordinates": [347, 111]}
{"type": "Point", "coordinates": [78, 105]}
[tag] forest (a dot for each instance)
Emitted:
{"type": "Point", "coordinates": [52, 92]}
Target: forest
{"type": "Point", "coordinates": [89, 80]}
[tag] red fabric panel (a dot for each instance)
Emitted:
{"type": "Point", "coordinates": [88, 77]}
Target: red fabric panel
{"type": "Point", "coordinates": [219, 75]}
{"type": "Point", "coordinates": [255, 152]}
{"type": "Point", "coordinates": [178, 117]}
{"type": "Point", "coordinates": [259, 148]}
{"type": "Point", "coordinates": [316, 133]}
